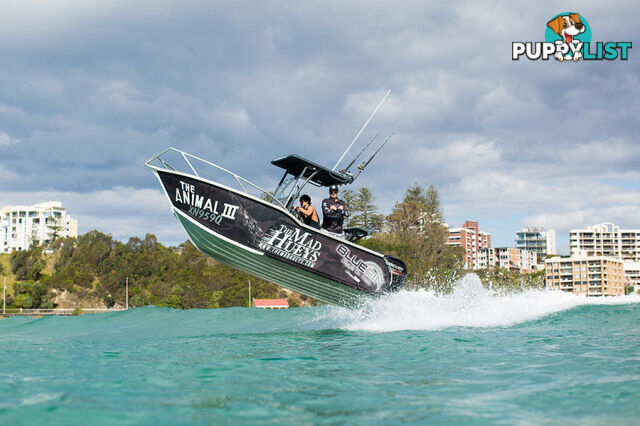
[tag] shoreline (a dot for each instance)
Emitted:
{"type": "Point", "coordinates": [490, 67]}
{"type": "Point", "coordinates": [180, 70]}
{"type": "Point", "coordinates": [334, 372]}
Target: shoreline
{"type": "Point", "coordinates": [38, 313]}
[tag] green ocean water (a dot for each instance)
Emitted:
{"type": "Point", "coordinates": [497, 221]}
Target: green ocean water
{"type": "Point", "coordinates": [473, 357]}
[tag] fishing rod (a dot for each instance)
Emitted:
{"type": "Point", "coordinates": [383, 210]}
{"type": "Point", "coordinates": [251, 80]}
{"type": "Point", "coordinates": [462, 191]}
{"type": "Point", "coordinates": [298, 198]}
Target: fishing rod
{"type": "Point", "coordinates": [364, 164]}
{"type": "Point", "coordinates": [358, 156]}
{"type": "Point", "coordinates": [365, 125]}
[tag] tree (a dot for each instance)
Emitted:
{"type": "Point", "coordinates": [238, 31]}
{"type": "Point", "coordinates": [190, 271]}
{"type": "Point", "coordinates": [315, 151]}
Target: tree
{"type": "Point", "coordinates": [433, 211]}
{"type": "Point", "coordinates": [417, 235]}
{"type": "Point", "coordinates": [419, 210]}
{"type": "Point", "coordinates": [507, 281]}
{"type": "Point", "coordinates": [363, 211]}
{"type": "Point", "coordinates": [55, 226]}
{"type": "Point", "coordinates": [416, 193]}
{"type": "Point", "coordinates": [31, 294]}
{"type": "Point", "coordinates": [34, 241]}
{"type": "Point", "coordinates": [348, 197]}
{"type": "Point", "coordinates": [27, 264]}
{"type": "Point", "coordinates": [405, 217]}
{"type": "Point", "coordinates": [96, 266]}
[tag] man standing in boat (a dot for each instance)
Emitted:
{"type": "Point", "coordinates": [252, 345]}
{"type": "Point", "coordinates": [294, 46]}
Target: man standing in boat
{"type": "Point", "coordinates": [334, 211]}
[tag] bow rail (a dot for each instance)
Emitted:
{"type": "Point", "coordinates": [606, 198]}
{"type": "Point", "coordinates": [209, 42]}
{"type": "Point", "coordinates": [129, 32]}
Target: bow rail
{"type": "Point", "coordinates": [160, 162]}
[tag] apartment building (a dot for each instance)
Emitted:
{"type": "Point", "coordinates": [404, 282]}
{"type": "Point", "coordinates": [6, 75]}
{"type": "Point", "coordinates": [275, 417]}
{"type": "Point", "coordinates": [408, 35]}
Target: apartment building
{"type": "Point", "coordinates": [540, 240]}
{"type": "Point", "coordinates": [632, 271]}
{"type": "Point", "coordinates": [606, 239]}
{"type": "Point", "coordinates": [589, 275]}
{"type": "Point", "coordinates": [513, 259]}
{"type": "Point", "coordinates": [20, 226]}
{"type": "Point", "coordinates": [469, 237]}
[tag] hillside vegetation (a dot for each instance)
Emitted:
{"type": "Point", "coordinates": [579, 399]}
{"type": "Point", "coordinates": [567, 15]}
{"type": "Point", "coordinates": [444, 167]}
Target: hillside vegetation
{"type": "Point", "coordinates": [94, 267]}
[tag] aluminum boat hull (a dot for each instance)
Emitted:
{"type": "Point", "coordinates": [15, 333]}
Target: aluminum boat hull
{"type": "Point", "coordinates": [265, 240]}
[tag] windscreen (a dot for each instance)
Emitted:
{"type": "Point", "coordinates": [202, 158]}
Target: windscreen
{"type": "Point", "coordinates": [283, 191]}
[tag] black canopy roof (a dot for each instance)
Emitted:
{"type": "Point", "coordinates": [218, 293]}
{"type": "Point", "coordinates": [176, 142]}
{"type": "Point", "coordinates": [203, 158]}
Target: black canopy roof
{"type": "Point", "coordinates": [324, 177]}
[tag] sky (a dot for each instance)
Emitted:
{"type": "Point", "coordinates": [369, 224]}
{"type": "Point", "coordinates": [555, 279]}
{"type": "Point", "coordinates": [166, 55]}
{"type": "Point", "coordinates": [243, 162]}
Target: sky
{"type": "Point", "coordinates": [90, 90]}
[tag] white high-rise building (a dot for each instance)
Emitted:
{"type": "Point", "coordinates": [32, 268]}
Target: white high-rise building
{"type": "Point", "coordinates": [606, 239]}
{"type": "Point", "coordinates": [20, 226]}
{"type": "Point", "coordinates": [539, 240]}
{"type": "Point", "coordinates": [513, 259]}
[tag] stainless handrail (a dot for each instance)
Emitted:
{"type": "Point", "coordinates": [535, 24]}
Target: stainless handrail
{"type": "Point", "coordinates": [57, 311]}
{"type": "Point", "coordinates": [186, 157]}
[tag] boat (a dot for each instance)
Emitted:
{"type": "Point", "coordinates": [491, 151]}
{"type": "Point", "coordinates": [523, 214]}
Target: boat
{"type": "Point", "coordinates": [239, 224]}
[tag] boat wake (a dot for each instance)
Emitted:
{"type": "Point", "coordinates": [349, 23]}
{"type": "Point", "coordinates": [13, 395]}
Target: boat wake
{"type": "Point", "coordinates": [469, 305]}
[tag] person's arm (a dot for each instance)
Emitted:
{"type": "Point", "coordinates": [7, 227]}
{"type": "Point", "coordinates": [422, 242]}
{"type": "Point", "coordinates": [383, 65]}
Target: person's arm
{"type": "Point", "coordinates": [307, 211]}
{"type": "Point", "coordinates": [325, 207]}
{"type": "Point", "coordinates": [327, 211]}
{"type": "Point", "coordinates": [345, 209]}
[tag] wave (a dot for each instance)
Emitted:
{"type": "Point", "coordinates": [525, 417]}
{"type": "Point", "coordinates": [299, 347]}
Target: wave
{"type": "Point", "coordinates": [469, 305]}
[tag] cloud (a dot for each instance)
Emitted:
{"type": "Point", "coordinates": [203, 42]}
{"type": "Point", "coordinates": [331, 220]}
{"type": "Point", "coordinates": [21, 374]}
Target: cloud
{"type": "Point", "coordinates": [6, 175]}
{"type": "Point", "coordinates": [625, 216]}
{"type": "Point", "coordinates": [6, 140]}
{"type": "Point", "coordinates": [93, 89]}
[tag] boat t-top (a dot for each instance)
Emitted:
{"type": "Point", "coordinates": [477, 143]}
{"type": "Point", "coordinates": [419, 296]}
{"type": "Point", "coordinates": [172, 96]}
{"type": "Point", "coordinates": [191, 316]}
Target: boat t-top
{"type": "Point", "coordinates": [239, 224]}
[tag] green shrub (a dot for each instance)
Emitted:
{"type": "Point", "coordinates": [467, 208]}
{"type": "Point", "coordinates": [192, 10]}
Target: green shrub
{"type": "Point", "coordinates": [24, 300]}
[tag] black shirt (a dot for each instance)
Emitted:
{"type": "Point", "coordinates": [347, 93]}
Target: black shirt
{"type": "Point", "coordinates": [332, 219]}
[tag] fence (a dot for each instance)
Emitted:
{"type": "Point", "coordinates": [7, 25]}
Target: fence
{"type": "Point", "coordinates": [57, 311]}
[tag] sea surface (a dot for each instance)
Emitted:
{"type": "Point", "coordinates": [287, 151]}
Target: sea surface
{"type": "Point", "coordinates": [472, 357]}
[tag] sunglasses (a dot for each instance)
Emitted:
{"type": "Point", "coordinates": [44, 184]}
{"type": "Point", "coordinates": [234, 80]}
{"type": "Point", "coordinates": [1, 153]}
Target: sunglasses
{"type": "Point", "coordinates": [333, 192]}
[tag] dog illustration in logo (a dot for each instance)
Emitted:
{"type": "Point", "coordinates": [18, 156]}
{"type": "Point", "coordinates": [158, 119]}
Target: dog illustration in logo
{"type": "Point", "coordinates": [567, 27]}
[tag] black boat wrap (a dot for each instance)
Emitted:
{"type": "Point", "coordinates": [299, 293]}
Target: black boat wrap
{"type": "Point", "coordinates": [269, 229]}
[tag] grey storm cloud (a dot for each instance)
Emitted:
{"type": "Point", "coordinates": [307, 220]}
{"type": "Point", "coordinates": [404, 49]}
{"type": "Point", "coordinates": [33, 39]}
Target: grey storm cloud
{"type": "Point", "coordinates": [90, 90]}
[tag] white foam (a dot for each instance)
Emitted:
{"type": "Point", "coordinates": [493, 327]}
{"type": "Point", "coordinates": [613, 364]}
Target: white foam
{"type": "Point", "coordinates": [469, 305]}
{"type": "Point", "coordinates": [36, 399]}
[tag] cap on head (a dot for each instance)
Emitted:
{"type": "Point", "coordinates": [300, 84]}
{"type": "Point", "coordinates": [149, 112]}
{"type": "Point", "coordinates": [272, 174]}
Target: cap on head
{"type": "Point", "coordinates": [333, 188]}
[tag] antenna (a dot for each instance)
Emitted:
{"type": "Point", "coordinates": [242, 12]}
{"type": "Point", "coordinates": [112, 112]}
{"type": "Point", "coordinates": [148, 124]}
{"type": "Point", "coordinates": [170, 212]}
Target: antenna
{"type": "Point", "coordinates": [365, 125]}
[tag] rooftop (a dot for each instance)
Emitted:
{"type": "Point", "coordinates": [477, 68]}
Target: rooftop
{"type": "Point", "coordinates": [323, 176]}
{"type": "Point", "coordinates": [271, 303]}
